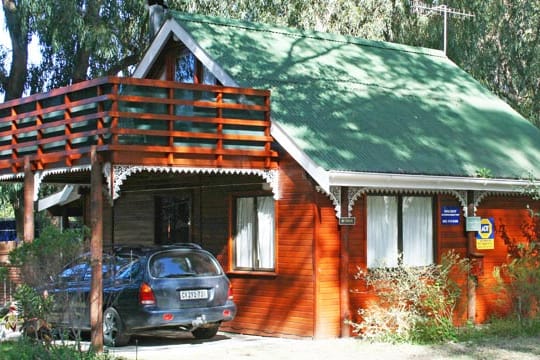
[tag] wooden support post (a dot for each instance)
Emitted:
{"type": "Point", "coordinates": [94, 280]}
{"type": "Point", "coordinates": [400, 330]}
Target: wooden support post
{"type": "Point", "coordinates": [344, 267]}
{"type": "Point", "coordinates": [475, 264]}
{"type": "Point", "coordinates": [471, 278]}
{"type": "Point", "coordinates": [29, 225]}
{"type": "Point", "coordinates": [96, 253]}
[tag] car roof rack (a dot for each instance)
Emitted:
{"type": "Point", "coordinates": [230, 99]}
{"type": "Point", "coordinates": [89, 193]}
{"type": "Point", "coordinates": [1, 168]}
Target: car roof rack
{"type": "Point", "coordinates": [144, 248]}
{"type": "Point", "coordinates": [183, 245]}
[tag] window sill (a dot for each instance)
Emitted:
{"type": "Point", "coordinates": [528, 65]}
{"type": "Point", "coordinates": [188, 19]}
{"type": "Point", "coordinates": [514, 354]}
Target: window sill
{"type": "Point", "coordinates": [247, 273]}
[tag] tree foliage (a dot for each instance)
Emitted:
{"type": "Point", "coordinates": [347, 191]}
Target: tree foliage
{"type": "Point", "coordinates": [85, 39]}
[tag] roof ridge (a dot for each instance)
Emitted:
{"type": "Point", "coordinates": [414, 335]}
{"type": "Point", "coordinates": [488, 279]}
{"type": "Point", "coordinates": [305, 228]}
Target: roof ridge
{"type": "Point", "coordinates": [304, 33]}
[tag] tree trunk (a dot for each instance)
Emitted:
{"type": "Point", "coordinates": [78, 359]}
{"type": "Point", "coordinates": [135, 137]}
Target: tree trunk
{"type": "Point", "coordinates": [96, 250]}
{"type": "Point", "coordinates": [17, 25]}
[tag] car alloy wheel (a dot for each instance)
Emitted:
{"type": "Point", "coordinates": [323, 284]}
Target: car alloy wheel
{"type": "Point", "coordinates": [113, 330]}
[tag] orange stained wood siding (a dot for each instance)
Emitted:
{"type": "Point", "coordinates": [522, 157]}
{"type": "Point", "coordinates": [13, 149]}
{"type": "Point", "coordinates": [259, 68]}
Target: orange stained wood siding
{"type": "Point", "coordinates": [327, 269]}
{"type": "Point", "coordinates": [513, 225]}
{"type": "Point", "coordinates": [282, 304]}
{"type": "Point", "coordinates": [359, 295]}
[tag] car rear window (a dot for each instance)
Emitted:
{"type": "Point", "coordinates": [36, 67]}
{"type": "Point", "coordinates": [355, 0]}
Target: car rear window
{"type": "Point", "coordinates": [173, 264]}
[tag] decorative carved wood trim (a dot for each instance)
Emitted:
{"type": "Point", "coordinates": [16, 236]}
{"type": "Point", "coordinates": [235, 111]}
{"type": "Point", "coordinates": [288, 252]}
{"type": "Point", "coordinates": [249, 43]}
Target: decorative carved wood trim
{"type": "Point", "coordinates": [121, 172]}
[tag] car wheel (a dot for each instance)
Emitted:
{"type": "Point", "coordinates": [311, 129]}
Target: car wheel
{"type": "Point", "coordinates": [113, 329]}
{"type": "Point", "coordinates": [206, 332]}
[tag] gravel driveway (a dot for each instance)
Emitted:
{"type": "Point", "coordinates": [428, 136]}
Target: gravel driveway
{"type": "Point", "coordinates": [234, 346]}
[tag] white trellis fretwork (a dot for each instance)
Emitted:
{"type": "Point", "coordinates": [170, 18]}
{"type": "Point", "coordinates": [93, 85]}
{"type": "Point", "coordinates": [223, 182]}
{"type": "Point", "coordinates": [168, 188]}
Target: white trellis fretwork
{"type": "Point", "coordinates": [117, 174]}
{"type": "Point", "coordinates": [40, 175]}
{"type": "Point", "coordinates": [354, 193]}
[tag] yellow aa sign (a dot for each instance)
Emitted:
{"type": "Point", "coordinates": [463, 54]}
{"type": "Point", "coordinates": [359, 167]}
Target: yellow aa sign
{"type": "Point", "coordinates": [485, 239]}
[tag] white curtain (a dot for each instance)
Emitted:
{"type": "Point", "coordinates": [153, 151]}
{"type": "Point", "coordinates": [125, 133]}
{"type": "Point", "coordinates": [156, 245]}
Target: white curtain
{"type": "Point", "coordinates": [244, 232]}
{"type": "Point", "coordinates": [265, 243]}
{"type": "Point", "coordinates": [382, 231]}
{"type": "Point", "coordinates": [417, 231]}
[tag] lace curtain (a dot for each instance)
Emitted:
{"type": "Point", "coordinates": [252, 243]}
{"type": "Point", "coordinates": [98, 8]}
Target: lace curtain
{"type": "Point", "coordinates": [254, 242]}
{"type": "Point", "coordinates": [383, 231]}
{"type": "Point", "coordinates": [245, 220]}
{"type": "Point", "coordinates": [417, 231]}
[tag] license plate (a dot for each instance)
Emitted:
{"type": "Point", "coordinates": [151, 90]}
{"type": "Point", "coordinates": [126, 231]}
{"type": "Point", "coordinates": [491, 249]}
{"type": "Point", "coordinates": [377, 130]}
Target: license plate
{"type": "Point", "coordinates": [193, 294]}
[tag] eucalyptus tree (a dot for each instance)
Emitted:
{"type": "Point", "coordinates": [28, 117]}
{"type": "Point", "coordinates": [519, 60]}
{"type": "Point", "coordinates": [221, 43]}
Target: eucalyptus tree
{"type": "Point", "coordinates": [83, 39]}
{"type": "Point", "coordinates": [18, 23]}
{"type": "Point", "coordinates": [502, 50]}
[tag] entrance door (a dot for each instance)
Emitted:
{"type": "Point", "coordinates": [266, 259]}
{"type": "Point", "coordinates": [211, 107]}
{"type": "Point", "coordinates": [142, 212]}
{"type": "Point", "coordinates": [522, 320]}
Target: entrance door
{"type": "Point", "coordinates": [173, 219]}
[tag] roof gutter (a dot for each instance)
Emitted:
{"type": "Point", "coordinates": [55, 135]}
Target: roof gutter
{"type": "Point", "coordinates": [425, 182]}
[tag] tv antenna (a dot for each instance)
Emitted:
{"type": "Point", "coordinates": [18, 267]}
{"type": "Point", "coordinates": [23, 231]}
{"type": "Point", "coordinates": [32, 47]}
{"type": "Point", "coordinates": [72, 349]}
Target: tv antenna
{"type": "Point", "coordinates": [422, 8]}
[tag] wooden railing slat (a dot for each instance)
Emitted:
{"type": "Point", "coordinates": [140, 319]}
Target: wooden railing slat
{"type": "Point", "coordinates": [121, 114]}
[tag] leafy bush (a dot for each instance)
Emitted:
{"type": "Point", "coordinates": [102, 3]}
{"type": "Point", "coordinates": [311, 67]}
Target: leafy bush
{"type": "Point", "coordinates": [519, 280]}
{"type": "Point", "coordinates": [47, 254]}
{"type": "Point", "coordinates": [500, 328]}
{"type": "Point", "coordinates": [414, 303]}
{"type": "Point", "coordinates": [29, 350]}
{"type": "Point", "coordinates": [32, 304]}
{"type": "Point", "coordinates": [39, 261]}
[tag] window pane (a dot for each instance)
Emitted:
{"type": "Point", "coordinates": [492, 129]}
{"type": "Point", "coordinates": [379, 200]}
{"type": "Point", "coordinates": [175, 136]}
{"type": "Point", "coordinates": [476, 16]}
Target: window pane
{"type": "Point", "coordinates": [185, 68]}
{"type": "Point", "coordinates": [417, 231]}
{"type": "Point", "coordinates": [208, 77]}
{"type": "Point", "coordinates": [265, 245]}
{"type": "Point", "coordinates": [382, 230]}
{"type": "Point", "coordinates": [245, 220]}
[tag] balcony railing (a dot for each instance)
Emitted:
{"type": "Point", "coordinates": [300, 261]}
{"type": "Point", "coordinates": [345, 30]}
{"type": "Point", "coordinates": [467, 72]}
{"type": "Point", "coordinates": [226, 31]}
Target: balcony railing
{"type": "Point", "coordinates": [138, 121]}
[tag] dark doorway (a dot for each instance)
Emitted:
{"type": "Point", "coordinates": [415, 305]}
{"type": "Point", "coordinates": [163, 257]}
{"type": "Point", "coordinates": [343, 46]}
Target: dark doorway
{"type": "Point", "coordinates": [173, 218]}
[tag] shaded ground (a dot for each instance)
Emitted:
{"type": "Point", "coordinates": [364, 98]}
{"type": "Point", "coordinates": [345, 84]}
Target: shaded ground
{"type": "Point", "coordinates": [234, 346]}
{"type": "Point", "coordinates": [227, 346]}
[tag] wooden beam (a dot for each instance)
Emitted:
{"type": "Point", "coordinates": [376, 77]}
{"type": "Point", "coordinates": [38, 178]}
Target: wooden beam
{"type": "Point", "coordinates": [96, 253]}
{"type": "Point", "coordinates": [475, 264]}
{"type": "Point", "coordinates": [29, 226]}
{"type": "Point", "coordinates": [344, 267]}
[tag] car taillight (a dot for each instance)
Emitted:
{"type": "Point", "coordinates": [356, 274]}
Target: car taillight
{"type": "Point", "coordinates": [230, 295]}
{"type": "Point", "coordinates": [146, 295]}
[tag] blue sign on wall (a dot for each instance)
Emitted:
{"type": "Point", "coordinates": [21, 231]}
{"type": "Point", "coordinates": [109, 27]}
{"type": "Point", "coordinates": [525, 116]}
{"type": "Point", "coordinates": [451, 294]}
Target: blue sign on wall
{"type": "Point", "coordinates": [8, 231]}
{"type": "Point", "coordinates": [450, 215]}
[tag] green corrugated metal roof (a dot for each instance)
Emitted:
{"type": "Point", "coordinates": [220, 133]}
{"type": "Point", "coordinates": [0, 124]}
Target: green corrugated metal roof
{"type": "Point", "coordinates": [365, 106]}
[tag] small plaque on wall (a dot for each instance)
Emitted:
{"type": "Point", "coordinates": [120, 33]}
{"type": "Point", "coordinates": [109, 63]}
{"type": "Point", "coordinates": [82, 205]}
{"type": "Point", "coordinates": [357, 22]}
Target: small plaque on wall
{"type": "Point", "coordinates": [473, 223]}
{"type": "Point", "coordinates": [347, 220]}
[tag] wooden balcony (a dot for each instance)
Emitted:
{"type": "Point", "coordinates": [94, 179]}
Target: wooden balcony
{"type": "Point", "coordinates": [138, 122]}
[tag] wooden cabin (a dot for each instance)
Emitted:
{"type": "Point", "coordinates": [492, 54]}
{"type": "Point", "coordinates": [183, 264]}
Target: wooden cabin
{"type": "Point", "coordinates": [294, 156]}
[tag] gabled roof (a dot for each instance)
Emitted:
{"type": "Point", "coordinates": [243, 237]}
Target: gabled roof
{"type": "Point", "coordinates": [359, 113]}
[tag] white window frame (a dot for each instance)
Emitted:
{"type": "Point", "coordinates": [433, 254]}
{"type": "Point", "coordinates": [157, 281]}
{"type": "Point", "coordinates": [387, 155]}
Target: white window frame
{"type": "Point", "coordinates": [400, 228]}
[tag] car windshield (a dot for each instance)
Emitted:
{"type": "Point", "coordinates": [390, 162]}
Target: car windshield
{"type": "Point", "coordinates": [173, 264]}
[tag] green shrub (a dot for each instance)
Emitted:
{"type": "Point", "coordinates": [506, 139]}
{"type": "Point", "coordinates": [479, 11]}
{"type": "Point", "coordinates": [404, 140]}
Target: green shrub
{"type": "Point", "coordinates": [414, 303]}
{"type": "Point", "coordinates": [499, 328]}
{"type": "Point", "coordinates": [32, 304]}
{"type": "Point", "coordinates": [48, 254]}
{"type": "Point", "coordinates": [28, 350]}
{"type": "Point", "coordinates": [39, 261]}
